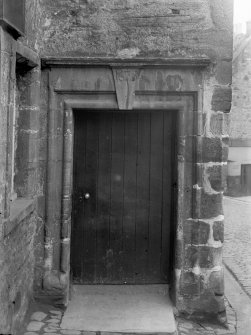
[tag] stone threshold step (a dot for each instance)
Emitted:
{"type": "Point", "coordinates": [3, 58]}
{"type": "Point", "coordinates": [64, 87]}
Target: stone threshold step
{"type": "Point", "coordinates": [120, 310]}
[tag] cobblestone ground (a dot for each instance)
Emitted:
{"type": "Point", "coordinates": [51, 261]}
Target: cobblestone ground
{"type": "Point", "coordinates": [46, 320]}
{"type": "Point", "coordinates": [237, 246]}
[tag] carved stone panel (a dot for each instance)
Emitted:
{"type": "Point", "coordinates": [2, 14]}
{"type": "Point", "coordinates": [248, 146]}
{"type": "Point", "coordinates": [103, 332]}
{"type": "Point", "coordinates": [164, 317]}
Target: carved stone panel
{"type": "Point", "coordinates": [125, 82]}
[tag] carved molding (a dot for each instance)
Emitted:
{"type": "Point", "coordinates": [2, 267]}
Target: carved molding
{"type": "Point", "coordinates": [199, 62]}
{"type": "Point", "coordinates": [125, 82]}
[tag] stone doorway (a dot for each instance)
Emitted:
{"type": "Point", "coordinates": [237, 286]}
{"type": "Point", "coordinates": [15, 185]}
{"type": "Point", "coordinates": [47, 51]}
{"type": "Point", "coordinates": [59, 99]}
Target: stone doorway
{"type": "Point", "coordinates": [77, 85]}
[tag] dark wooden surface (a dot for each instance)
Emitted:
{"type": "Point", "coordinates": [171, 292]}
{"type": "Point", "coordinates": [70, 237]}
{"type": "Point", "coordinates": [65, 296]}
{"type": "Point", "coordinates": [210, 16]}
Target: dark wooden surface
{"type": "Point", "coordinates": [246, 179]}
{"type": "Point", "coordinates": [122, 233]}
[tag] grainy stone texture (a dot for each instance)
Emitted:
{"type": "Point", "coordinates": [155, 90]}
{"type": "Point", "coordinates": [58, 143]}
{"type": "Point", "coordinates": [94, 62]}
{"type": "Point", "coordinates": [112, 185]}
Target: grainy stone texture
{"type": "Point", "coordinates": [143, 28]}
{"type": "Point", "coordinates": [17, 244]}
{"type": "Point", "coordinates": [184, 327]}
{"type": "Point", "coordinates": [146, 29]}
{"type": "Point", "coordinates": [125, 30]}
{"type": "Point", "coordinates": [38, 316]}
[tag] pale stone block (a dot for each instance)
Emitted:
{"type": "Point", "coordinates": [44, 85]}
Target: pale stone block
{"type": "Point", "coordinates": [70, 332]}
{"type": "Point", "coordinates": [53, 320]}
{"type": "Point", "coordinates": [50, 329]}
{"type": "Point", "coordinates": [34, 326]}
{"type": "Point", "coordinates": [38, 316]}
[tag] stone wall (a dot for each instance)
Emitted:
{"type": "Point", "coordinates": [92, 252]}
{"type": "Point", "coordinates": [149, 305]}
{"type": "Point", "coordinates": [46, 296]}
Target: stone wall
{"type": "Point", "coordinates": [17, 270]}
{"type": "Point", "coordinates": [122, 29]}
{"type": "Point", "coordinates": [131, 28]}
{"type": "Point", "coordinates": [19, 185]}
{"type": "Point", "coordinates": [166, 29]}
{"type": "Point", "coordinates": [240, 128]}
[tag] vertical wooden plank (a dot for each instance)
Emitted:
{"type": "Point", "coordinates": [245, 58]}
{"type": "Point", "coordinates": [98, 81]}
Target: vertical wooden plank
{"type": "Point", "coordinates": [167, 193]}
{"type": "Point", "coordinates": [124, 161]}
{"type": "Point", "coordinates": [142, 201]}
{"type": "Point", "coordinates": [155, 215]}
{"type": "Point", "coordinates": [117, 196]}
{"type": "Point", "coordinates": [78, 209]}
{"type": "Point", "coordinates": [90, 205]}
{"type": "Point", "coordinates": [130, 194]}
{"type": "Point", "coordinates": [104, 196]}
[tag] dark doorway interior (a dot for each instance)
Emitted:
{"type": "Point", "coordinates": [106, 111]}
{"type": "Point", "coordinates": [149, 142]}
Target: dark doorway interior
{"type": "Point", "coordinates": [246, 179]}
{"type": "Point", "coordinates": [122, 197]}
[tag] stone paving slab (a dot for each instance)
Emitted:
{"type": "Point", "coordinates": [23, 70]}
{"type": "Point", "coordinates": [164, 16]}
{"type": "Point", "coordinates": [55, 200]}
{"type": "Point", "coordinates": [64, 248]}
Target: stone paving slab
{"type": "Point", "coordinates": [120, 309]}
{"type": "Point", "coordinates": [51, 320]}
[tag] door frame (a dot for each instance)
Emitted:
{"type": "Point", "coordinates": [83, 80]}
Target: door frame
{"type": "Point", "coordinates": [63, 97]}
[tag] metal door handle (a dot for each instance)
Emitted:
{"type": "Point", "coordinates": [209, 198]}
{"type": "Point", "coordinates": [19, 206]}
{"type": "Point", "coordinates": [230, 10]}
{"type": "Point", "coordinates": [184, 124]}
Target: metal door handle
{"type": "Point", "coordinates": [87, 196]}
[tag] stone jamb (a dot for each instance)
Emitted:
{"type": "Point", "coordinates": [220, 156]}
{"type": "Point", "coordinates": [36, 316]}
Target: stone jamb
{"type": "Point", "coordinates": [66, 197]}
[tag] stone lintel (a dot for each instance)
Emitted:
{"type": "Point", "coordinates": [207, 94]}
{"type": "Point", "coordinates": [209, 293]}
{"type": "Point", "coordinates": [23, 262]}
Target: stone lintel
{"type": "Point", "coordinates": [124, 62]}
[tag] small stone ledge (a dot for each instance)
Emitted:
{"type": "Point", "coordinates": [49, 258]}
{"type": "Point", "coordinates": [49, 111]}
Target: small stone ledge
{"type": "Point", "coordinates": [26, 57]}
{"type": "Point", "coordinates": [19, 210]}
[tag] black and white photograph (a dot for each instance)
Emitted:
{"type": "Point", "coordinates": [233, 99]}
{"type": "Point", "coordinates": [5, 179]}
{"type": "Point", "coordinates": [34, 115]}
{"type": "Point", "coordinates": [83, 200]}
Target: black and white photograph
{"type": "Point", "coordinates": [125, 167]}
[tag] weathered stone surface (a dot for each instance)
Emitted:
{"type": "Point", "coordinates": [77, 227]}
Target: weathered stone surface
{"type": "Point", "coordinates": [217, 175]}
{"type": "Point", "coordinates": [218, 231]}
{"type": "Point", "coordinates": [224, 72]}
{"type": "Point", "coordinates": [196, 232]}
{"type": "Point", "coordinates": [52, 321]}
{"type": "Point", "coordinates": [220, 123]}
{"type": "Point", "coordinates": [50, 329]}
{"type": "Point", "coordinates": [117, 29]}
{"type": "Point", "coordinates": [210, 205]}
{"type": "Point", "coordinates": [38, 316]}
{"type": "Point", "coordinates": [70, 332]}
{"type": "Point", "coordinates": [222, 98]}
{"type": "Point", "coordinates": [34, 326]}
{"type": "Point", "coordinates": [56, 312]}
{"type": "Point", "coordinates": [202, 256]}
{"type": "Point", "coordinates": [214, 149]}
{"type": "Point", "coordinates": [216, 282]}
{"type": "Point", "coordinates": [123, 29]}
{"type": "Point", "coordinates": [191, 284]}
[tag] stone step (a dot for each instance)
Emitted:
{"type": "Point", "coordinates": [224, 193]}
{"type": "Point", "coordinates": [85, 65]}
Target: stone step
{"type": "Point", "coordinates": [120, 309]}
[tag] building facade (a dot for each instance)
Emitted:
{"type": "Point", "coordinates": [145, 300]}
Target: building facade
{"type": "Point", "coordinates": [114, 144]}
{"type": "Point", "coordinates": [239, 161]}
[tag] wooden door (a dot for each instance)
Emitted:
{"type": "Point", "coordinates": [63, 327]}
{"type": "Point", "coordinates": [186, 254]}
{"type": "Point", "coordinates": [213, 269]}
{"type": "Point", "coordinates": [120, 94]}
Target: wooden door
{"type": "Point", "coordinates": [246, 179]}
{"type": "Point", "coordinates": [123, 164]}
